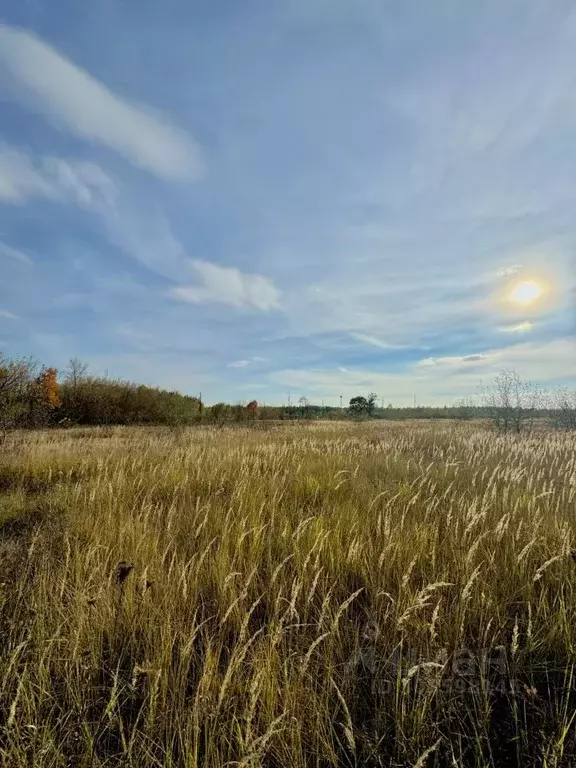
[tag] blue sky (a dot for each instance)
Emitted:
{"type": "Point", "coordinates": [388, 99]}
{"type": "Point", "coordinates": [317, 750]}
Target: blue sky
{"type": "Point", "coordinates": [322, 196]}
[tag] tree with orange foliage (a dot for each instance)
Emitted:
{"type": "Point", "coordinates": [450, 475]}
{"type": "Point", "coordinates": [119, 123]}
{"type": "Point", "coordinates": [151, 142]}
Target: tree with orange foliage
{"type": "Point", "coordinates": [44, 397]}
{"type": "Point", "coordinates": [48, 388]}
{"type": "Point", "coordinates": [252, 409]}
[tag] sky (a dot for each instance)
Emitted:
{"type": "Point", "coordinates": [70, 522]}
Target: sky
{"type": "Point", "coordinates": [276, 198]}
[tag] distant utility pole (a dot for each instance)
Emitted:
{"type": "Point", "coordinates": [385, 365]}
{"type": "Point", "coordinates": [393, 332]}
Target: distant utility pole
{"type": "Point", "coordinates": [414, 399]}
{"type": "Point", "coordinates": [340, 401]}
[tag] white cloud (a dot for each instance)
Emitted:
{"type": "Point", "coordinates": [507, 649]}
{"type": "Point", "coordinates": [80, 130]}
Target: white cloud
{"type": "Point", "coordinates": [375, 342]}
{"type": "Point", "coordinates": [85, 181]}
{"type": "Point", "coordinates": [244, 363]}
{"type": "Point", "coordinates": [14, 253]}
{"type": "Point", "coordinates": [545, 363]}
{"type": "Point", "coordinates": [70, 97]}
{"type": "Point", "coordinates": [456, 360]}
{"type": "Point", "coordinates": [22, 178]}
{"type": "Point", "coordinates": [227, 285]}
{"type": "Point", "coordinates": [538, 361]}
{"type": "Point", "coordinates": [389, 303]}
{"type": "Point", "coordinates": [8, 315]}
{"type": "Point", "coordinates": [144, 233]}
{"type": "Point", "coordinates": [509, 271]}
{"type": "Point", "coordinates": [524, 327]}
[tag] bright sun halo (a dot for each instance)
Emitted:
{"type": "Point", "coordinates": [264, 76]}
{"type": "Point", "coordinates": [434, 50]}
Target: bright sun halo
{"type": "Point", "coordinates": [526, 292]}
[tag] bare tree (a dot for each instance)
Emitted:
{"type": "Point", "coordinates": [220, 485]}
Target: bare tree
{"type": "Point", "coordinates": [563, 408]}
{"type": "Point", "coordinates": [16, 377]}
{"type": "Point", "coordinates": [466, 408]}
{"type": "Point", "coordinates": [74, 376]}
{"type": "Point", "coordinates": [75, 373]}
{"type": "Point", "coordinates": [512, 404]}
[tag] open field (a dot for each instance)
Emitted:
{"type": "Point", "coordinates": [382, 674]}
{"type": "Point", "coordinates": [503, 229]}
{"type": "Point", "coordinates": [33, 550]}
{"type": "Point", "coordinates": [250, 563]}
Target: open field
{"type": "Point", "coordinates": [325, 595]}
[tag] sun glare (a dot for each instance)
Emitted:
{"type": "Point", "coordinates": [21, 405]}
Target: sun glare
{"type": "Point", "coordinates": [526, 292]}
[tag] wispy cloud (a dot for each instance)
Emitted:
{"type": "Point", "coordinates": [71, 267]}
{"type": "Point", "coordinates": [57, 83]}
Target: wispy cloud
{"type": "Point", "coordinates": [509, 271]}
{"type": "Point", "coordinates": [375, 342]}
{"type": "Point", "coordinates": [144, 233]}
{"type": "Point", "coordinates": [20, 180]}
{"type": "Point", "coordinates": [85, 181]}
{"type": "Point", "coordinates": [227, 285]}
{"type": "Point", "coordinates": [455, 360]}
{"type": "Point", "coordinates": [8, 315]}
{"type": "Point", "coordinates": [70, 97]}
{"type": "Point", "coordinates": [533, 360]}
{"type": "Point", "coordinates": [15, 253]}
{"type": "Point", "coordinates": [23, 177]}
{"type": "Point", "coordinates": [545, 363]}
{"type": "Point", "coordinates": [524, 327]}
{"type": "Point", "coordinates": [394, 212]}
{"type": "Point", "coordinates": [246, 363]}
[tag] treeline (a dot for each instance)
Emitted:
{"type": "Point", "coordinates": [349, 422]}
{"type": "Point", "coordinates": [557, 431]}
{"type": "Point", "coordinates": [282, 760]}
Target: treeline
{"type": "Point", "coordinates": [508, 405]}
{"type": "Point", "coordinates": [33, 396]}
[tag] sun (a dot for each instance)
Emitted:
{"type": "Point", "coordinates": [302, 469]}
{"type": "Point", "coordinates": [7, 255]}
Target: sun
{"type": "Point", "coordinates": [526, 292]}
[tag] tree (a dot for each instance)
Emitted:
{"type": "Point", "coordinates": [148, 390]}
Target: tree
{"type": "Point", "coordinates": [304, 404]}
{"type": "Point", "coordinates": [15, 381]}
{"type": "Point", "coordinates": [252, 409]}
{"type": "Point", "coordinates": [75, 372]}
{"type": "Point", "coordinates": [511, 404]}
{"type": "Point", "coordinates": [74, 377]}
{"type": "Point", "coordinates": [49, 388]}
{"type": "Point", "coordinates": [371, 403]}
{"type": "Point", "coordinates": [358, 405]}
{"type": "Point", "coordinates": [563, 409]}
{"type": "Point", "coordinates": [44, 396]}
{"type": "Point", "coordinates": [363, 406]}
{"type": "Point", "coordinates": [220, 413]}
{"type": "Point", "coordinates": [465, 409]}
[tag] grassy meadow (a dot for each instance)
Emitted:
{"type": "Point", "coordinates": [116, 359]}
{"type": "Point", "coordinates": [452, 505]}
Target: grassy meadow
{"type": "Point", "coordinates": [331, 594]}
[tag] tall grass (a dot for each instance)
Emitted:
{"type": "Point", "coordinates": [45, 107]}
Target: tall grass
{"type": "Point", "coordinates": [331, 595]}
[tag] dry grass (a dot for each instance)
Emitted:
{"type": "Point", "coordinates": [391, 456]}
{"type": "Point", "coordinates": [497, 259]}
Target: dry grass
{"type": "Point", "coordinates": [314, 596]}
